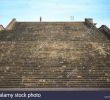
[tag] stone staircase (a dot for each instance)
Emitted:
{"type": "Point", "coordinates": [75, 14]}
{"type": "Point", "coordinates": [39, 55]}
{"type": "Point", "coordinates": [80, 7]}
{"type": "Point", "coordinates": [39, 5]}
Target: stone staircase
{"type": "Point", "coordinates": [54, 55]}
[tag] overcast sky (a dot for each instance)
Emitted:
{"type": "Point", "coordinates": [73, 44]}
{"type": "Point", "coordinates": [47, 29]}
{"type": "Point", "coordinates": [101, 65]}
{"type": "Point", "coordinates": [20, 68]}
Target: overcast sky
{"type": "Point", "coordinates": [55, 10]}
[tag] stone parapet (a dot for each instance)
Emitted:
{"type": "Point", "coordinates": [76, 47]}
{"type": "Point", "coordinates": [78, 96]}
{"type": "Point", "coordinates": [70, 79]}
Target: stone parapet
{"type": "Point", "coordinates": [105, 30]}
{"type": "Point", "coordinates": [11, 24]}
{"type": "Point", "coordinates": [1, 28]}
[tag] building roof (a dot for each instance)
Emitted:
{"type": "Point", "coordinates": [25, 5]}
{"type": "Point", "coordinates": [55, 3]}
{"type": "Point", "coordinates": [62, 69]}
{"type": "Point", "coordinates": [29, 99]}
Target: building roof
{"type": "Point", "coordinates": [54, 55]}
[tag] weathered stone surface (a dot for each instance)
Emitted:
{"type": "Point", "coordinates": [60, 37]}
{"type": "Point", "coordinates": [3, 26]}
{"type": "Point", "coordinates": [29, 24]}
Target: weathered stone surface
{"type": "Point", "coordinates": [54, 55]}
{"type": "Point", "coordinates": [1, 28]}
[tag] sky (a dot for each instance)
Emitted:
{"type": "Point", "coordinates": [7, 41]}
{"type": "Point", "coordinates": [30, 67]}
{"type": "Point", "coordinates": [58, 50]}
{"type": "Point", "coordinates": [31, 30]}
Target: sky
{"type": "Point", "coordinates": [55, 10]}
